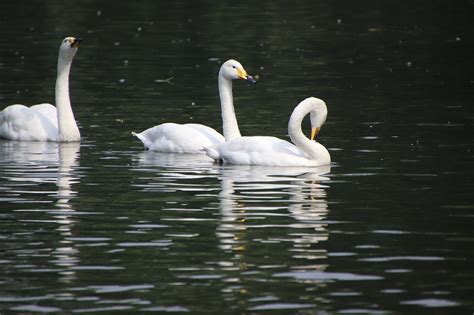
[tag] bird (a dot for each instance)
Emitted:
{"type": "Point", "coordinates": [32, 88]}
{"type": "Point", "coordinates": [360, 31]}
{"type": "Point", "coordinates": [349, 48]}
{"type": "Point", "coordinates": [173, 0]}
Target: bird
{"type": "Point", "coordinates": [45, 122]}
{"type": "Point", "coordinates": [193, 138]}
{"type": "Point", "coordinates": [272, 151]}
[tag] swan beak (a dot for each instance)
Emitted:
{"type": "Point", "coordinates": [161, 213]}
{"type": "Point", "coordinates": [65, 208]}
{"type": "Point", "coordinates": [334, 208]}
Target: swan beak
{"type": "Point", "coordinates": [314, 132]}
{"type": "Point", "coordinates": [75, 42]}
{"type": "Point", "coordinates": [242, 74]}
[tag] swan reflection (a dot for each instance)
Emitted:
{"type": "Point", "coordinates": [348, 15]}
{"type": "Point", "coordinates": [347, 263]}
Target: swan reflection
{"type": "Point", "coordinates": [165, 172]}
{"type": "Point", "coordinates": [175, 160]}
{"type": "Point", "coordinates": [255, 204]}
{"type": "Point", "coordinates": [66, 254]}
{"type": "Point", "coordinates": [251, 192]}
{"type": "Point", "coordinates": [30, 165]}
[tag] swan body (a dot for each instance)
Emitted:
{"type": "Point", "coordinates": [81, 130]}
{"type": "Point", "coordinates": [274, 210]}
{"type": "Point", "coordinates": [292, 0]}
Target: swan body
{"type": "Point", "coordinates": [271, 151]}
{"type": "Point", "coordinates": [177, 138]}
{"type": "Point", "coordinates": [44, 122]}
{"type": "Point", "coordinates": [194, 138]}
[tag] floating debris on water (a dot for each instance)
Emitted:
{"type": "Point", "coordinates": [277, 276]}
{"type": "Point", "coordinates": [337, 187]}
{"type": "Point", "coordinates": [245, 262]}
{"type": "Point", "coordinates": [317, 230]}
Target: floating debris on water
{"type": "Point", "coordinates": [167, 80]}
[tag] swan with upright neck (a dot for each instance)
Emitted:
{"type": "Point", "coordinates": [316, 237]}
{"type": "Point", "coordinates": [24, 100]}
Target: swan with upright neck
{"type": "Point", "coordinates": [44, 122]}
{"type": "Point", "coordinates": [193, 138]}
{"type": "Point", "coordinates": [271, 151]}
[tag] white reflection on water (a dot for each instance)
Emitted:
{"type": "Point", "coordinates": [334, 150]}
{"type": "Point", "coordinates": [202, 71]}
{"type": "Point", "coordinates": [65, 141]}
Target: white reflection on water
{"type": "Point", "coordinates": [28, 165]}
{"type": "Point", "coordinates": [287, 199]}
{"type": "Point", "coordinates": [151, 158]}
{"type": "Point", "coordinates": [169, 171]}
{"type": "Point", "coordinates": [251, 192]}
{"type": "Point", "coordinates": [67, 253]}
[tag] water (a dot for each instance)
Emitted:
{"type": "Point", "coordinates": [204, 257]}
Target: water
{"type": "Point", "coordinates": [106, 227]}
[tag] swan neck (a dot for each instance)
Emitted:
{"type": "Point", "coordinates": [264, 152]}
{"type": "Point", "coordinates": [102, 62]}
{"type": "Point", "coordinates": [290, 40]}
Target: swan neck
{"type": "Point", "coordinates": [297, 136]}
{"type": "Point", "coordinates": [67, 127]}
{"type": "Point", "coordinates": [229, 120]}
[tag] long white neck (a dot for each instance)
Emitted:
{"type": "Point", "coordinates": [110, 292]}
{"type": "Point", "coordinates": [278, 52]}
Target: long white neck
{"type": "Point", "coordinates": [314, 150]}
{"type": "Point", "coordinates": [229, 121]}
{"type": "Point", "coordinates": [68, 130]}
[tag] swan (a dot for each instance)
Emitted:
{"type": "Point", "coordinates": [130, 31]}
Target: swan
{"type": "Point", "coordinates": [44, 122]}
{"type": "Point", "coordinates": [271, 151]}
{"type": "Point", "coordinates": [193, 138]}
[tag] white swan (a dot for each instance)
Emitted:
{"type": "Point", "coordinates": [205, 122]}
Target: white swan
{"type": "Point", "coordinates": [44, 122]}
{"type": "Point", "coordinates": [193, 138]}
{"type": "Point", "coordinates": [271, 151]}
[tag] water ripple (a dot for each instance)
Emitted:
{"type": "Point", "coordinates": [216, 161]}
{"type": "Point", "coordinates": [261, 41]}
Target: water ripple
{"type": "Point", "coordinates": [321, 275]}
{"type": "Point", "coordinates": [434, 303]}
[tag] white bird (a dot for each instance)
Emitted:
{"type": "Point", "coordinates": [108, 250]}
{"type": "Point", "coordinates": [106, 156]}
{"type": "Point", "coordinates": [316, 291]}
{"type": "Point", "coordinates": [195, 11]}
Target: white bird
{"type": "Point", "coordinates": [44, 122]}
{"type": "Point", "coordinates": [193, 138]}
{"type": "Point", "coordinates": [271, 151]}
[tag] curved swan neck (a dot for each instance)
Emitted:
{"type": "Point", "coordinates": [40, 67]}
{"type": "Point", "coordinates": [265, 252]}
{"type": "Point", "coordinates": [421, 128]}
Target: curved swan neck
{"type": "Point", "coordinates": [313, 149]}
{"type": "Point", "coordinates": [229, 120]}
{"type": "Point", "coordinates": [294, 129]}
{"type": "Point", "coordinates": [67, 127]}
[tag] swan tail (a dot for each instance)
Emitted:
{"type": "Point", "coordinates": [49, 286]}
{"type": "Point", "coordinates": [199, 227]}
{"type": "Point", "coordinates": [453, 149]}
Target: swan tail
{"type": "Point", "coordinates": [142, 139]}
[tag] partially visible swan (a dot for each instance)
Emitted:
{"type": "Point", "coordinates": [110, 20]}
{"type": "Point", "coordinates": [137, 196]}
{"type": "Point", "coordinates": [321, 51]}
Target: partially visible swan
{"type": "Point", "coordinates": [271, 151]}
{"type": "Point", "coordinates": [193, 138]}
{"type": "Point", "coordinates": [44, 122]}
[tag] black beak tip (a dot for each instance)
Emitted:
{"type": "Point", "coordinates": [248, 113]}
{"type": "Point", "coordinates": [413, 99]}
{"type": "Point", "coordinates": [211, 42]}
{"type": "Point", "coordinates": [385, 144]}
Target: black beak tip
{"type": "Point", "coordinates": [250, 79]}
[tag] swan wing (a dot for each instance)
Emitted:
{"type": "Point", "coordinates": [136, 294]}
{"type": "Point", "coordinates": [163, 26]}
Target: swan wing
{"type": "Point", "coordinates": [177, 138]}
{"type": "Point", "coordinates": [35, 123]}
{"type": "Point", "coordinates": [208, 132]}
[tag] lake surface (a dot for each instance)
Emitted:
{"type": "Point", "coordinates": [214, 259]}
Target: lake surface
{"type": "Point", "coordinates": [106, 227]}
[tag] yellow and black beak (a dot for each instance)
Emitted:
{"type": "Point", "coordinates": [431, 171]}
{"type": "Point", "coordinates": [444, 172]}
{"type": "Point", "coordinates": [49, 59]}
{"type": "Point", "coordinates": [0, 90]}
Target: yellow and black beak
{"type": "Point", "coordinates": [242, 74]}
{"type": "Point", "coordinates": [314, 132]}
{"type": "Point", "coordinates": [75, 42]}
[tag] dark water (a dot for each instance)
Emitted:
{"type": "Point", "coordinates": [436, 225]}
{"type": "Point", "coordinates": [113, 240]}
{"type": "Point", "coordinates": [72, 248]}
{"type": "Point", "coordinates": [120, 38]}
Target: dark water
{"type": "Point", "coordinates": [106, 227]}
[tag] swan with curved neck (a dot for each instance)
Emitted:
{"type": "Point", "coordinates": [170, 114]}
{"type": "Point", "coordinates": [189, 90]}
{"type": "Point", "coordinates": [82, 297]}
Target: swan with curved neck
{"type": "Point", "coordinates": [271, 151]}
{"type": "Point", "coordinates": [193, 138]}
{"type": "Point", "coordinates": [44, 122]}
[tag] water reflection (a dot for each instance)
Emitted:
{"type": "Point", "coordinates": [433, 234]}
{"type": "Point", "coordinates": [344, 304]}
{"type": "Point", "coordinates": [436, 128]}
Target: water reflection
{"type": "Point", "coordinates": [171, 172]}
{"type": "Point", "coordinates": [31, 166]}
{"type": "Point", "coordinates": [288, 203]}
{"type": "Point", "coordinates": [189, 161]}
{"type": "Point", "coordinates": [66, 254]}
{"type": "Point", "coordinates": [246, 193]}
{"type": "Point", "coordinates": [249, 194]}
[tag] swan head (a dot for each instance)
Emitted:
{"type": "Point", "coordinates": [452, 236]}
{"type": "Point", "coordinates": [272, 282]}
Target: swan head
{"type": "Point", "coordinates": [233, 70]}
{"type": "Point", "coordinates": [68, 47]}
{"type": "Point", "coordinates": [318, 114]}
